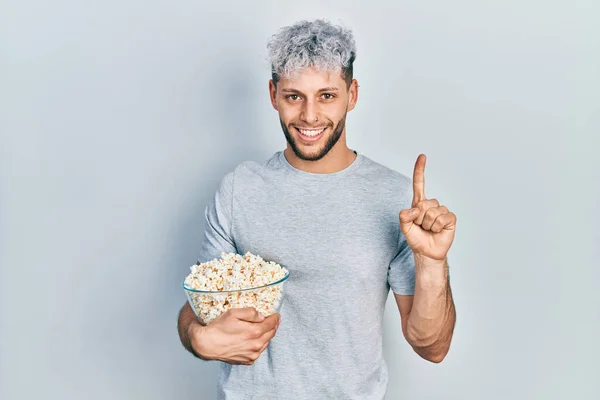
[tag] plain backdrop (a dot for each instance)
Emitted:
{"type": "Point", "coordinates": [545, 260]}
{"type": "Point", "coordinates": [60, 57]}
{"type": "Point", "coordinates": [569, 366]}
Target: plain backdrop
{"type": "Point", "coordinates": [119, 118]}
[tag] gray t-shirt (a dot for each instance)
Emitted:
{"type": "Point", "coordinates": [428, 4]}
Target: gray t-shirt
{"type": "Point", "coordinates": [340, 237]}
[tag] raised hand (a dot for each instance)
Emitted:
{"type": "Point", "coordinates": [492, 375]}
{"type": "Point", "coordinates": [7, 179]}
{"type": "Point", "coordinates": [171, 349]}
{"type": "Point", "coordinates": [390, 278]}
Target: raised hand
{"type": "Point", "coordinates": [428, 227]}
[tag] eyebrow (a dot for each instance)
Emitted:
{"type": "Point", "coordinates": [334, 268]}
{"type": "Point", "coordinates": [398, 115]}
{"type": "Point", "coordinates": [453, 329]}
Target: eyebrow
{"type": "Point", "coordinates": [327, 89]}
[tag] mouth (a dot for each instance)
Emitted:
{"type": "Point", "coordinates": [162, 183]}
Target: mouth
{"type": "Point", "coordinates": [310, 135]}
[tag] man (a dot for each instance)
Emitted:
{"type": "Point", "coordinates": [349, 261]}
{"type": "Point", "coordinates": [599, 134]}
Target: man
{"type": "Point", "coordinates": [346, 227]}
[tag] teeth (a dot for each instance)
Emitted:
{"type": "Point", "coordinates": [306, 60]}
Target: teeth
{"type": "Point", "coordinates": [311, 132]}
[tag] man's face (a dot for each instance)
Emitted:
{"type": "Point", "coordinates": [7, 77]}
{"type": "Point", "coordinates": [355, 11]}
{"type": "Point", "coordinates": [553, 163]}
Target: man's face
{"type": "Point", "coordinates": [312, 110]}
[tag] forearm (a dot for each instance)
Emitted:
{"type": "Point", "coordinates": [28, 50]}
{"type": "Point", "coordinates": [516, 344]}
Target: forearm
{"type": "Point", "coordinates": [431, 320]}
{"type": "Point", "coordinates": [186, 323]}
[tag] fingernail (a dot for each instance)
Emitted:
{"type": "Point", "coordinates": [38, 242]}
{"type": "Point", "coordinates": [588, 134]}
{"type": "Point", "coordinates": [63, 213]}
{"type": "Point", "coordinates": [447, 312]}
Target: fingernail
{"type": "Point", "coordinates": [414, 211]}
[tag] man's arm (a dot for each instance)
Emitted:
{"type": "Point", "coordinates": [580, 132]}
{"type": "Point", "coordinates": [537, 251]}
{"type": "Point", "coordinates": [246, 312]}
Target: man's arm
{"type": "Point", "coordinates": [428, 317]}
{"type": "Point", "coordinates": [186, 323]}
{"type": "Point", "coordinates": [238, 336]}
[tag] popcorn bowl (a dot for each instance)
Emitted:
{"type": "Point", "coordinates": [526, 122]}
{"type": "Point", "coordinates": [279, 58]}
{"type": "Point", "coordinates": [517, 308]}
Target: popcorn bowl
{"type": "Point", "coordinates": [208, 305]}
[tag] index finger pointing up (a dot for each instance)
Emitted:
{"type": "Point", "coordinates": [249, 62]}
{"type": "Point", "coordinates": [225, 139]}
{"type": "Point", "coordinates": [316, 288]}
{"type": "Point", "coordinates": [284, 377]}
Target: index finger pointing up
{"type": "Point", "coordinates": [419, 179]}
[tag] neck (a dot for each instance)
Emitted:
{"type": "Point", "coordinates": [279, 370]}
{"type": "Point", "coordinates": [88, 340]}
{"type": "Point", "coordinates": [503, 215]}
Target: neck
{"type": "Point", "coordinates": [338, 158]}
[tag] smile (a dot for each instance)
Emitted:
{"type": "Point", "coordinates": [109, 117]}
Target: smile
{"type": "Point", "coordinates": [311, 132]}
{"type": "Point", "coordinates": [310, 135]}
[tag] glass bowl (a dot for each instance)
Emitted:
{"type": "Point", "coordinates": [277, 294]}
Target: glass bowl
{"type": "Point", "coordinates": [209, 305]}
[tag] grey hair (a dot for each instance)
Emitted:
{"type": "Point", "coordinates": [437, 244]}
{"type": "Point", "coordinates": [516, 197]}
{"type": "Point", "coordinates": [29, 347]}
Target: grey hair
{"type": "Point", "coordinates": [318, 44]}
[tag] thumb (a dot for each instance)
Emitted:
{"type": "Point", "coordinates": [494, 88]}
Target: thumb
{"type": "Point", "coordinates": [248, 314]}
{"type": "Point", "coordinates": [408, 216]}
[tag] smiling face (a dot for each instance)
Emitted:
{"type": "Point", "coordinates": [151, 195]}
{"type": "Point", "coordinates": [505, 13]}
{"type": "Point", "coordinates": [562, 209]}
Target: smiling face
{"type": "Point", "coordinates": [312, 110]}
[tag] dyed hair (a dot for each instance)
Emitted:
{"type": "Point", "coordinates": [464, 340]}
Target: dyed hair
{"type": "Point", "coordinates": [318, 44]}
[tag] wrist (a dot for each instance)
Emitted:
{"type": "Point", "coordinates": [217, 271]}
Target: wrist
{"type": "Point", "coordinates": [196, 335]}
{"type": "Point", "coordinates": [424, 261]}
{"type": "Point", "coordinates": [431, 272]}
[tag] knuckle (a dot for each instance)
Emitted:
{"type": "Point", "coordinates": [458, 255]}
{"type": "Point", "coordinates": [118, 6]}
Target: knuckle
{"type": "Point", "coordinates": [430, 214]}
{"type": "Point", "coordinates": [232, 312]}
{"type": "Point", "coordinates": [256, 346]}
{"type": "Point", "coordinates": [249, 334]}
{"type": "Point", "coordinates": [428, 204]}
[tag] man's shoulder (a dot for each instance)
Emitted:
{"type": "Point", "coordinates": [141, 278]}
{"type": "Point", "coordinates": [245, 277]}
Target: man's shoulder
{"type": "Point", "coordinates": [371, 172]}
{"type": "Point", "coordinates": [385, 183]}
{"type": "Point", "coordinates": [246, 171]}
{"type": "Point", "coordinates": [382, 175]}
{"type": "Point", "coordinates": [253, 167]}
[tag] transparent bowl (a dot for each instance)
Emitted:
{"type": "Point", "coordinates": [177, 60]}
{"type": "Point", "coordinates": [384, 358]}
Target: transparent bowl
{"type": "Point", "coordinates": [209, 305]}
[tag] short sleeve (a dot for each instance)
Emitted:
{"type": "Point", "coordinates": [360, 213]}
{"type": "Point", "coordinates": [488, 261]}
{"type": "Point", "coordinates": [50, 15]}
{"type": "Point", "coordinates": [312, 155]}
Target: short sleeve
{"type": "Point", "coordinates": [218, 218]}
{"type": "Point", "coordinates": [401, 271]}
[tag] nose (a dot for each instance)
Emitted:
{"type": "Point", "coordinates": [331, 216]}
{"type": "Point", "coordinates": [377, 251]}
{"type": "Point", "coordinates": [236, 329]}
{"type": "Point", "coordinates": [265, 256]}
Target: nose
{"type": "Point", "coordinates": [310, 112]}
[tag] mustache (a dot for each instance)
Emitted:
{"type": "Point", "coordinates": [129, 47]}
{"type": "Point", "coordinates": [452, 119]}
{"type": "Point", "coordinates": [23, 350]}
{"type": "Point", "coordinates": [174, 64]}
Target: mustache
{"type": "Point", "coordinates": [305, 126]}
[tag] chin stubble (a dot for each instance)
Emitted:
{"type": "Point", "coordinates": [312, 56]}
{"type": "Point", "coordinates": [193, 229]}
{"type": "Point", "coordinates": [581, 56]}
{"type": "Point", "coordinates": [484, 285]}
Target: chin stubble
{"type": "Point", "coordinates": [333, 139]}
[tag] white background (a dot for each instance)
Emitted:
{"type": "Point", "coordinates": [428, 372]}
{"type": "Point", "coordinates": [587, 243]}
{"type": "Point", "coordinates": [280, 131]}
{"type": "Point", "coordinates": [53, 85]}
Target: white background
{"type": "Point", "coordinates": [119, 118]}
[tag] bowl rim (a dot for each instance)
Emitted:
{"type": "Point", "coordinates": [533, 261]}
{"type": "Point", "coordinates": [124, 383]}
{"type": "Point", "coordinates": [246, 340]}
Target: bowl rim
{"type": "Point", "coordinates": [287, 274]}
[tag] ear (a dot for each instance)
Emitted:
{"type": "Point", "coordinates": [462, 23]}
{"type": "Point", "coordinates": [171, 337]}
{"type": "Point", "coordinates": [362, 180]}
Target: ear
{"type": "Point", "coordinates": [273, 94]}
{"type": "Point", "coordinates": [352, 95]}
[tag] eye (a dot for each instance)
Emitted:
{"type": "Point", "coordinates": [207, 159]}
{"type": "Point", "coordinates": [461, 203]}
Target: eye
{"type": "Point", "coordinates": [328, 96]}
{"type": "Point", "coordinates": [292, 97]}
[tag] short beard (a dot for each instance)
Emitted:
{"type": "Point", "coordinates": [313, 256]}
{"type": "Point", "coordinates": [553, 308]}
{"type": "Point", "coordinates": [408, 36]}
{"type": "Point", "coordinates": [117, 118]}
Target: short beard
{"type": "Point", "coordinates": [333, 139]}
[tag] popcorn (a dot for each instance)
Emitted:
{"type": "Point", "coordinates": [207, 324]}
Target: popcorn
{"type": "Point", "coordinates": [243, 281]}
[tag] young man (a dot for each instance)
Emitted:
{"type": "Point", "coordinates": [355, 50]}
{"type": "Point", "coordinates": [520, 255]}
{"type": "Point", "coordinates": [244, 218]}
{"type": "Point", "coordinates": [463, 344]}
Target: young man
{"type": "Point", "coordinates": [346, 227]}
